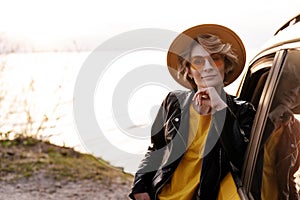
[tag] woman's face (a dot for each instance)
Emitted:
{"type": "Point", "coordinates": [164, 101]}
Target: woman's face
{"type": "Point", "coordinates": [288, 91]}
{"type": "Point", "coordinates": [206, 70]}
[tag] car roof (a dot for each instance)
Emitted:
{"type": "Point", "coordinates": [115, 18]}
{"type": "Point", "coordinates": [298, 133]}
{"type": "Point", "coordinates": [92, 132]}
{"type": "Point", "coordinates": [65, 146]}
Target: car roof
{"type": "Point", "coordinates": [286, 34]}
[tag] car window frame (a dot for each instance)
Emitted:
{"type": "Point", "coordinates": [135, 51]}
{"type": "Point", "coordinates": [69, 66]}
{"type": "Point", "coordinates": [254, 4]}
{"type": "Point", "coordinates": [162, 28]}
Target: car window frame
{"type": "Point", "coordinates": [260, 118]}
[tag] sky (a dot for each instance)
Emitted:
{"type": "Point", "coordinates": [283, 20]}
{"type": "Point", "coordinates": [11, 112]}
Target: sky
{"type": "Point", "coordinates": [88, 23]}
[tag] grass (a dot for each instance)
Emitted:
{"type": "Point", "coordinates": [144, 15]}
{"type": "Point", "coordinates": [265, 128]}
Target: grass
{"type": "Point", "coordinates": [24, 157]}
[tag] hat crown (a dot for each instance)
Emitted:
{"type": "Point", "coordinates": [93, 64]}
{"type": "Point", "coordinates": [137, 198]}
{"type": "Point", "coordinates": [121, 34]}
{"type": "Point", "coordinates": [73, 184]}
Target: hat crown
{"type": "Point", "coordinates": [182, 42]}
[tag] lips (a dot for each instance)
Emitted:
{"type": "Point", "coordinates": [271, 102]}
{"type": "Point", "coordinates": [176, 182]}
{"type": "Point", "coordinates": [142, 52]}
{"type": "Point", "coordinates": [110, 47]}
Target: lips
{"type": "Point", "coordinates": [208, 77]}
{"type": "Point", "coordinates": [289, 99]}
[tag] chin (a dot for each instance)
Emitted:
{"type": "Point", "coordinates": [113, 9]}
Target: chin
{"type": "Point", "coordinates": [211, 84]}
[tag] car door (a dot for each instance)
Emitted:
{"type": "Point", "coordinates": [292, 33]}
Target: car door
{"type": "Point", "coordinates": [271, 164]}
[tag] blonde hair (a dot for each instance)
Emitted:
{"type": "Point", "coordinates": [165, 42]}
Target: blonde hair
{"type": "Point", "coordinates": [212, 44]}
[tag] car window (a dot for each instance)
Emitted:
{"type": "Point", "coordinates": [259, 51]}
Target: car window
{"type": "Point", "coordinates": [255, 80]}
{"type": "Point", "coordinates": [276, 173]}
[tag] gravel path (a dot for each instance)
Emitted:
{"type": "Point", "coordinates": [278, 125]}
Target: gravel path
{"type": "Point", "coordinates": [40, 188]}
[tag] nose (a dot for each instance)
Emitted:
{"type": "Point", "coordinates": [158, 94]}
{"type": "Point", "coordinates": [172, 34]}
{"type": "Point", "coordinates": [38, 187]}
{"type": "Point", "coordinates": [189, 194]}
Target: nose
{"type": "Point", "coordinates": [295, 91]}
{"type": "Point", "coordinates": [207, 66]}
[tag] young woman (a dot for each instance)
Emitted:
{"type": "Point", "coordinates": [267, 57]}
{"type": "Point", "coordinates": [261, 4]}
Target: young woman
{"type": "Point", "coordinates": [281, 159]}
{"type": "Point", "coordinates": [201, 134]}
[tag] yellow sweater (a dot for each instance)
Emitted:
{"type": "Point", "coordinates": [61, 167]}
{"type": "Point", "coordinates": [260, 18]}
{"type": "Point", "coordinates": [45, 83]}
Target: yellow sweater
{"type": "Point", "coordinates": [186, 177]}
{"type": "Point", "coordinates": [269, 183]}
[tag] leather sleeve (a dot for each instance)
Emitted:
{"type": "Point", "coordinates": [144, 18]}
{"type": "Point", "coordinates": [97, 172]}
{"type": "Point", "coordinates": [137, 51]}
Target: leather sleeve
{"type": "Point", "coordinates": [153, 157]}
{"type": "Point", "coordinates": [288, 161]}
{"type": "Point", "coordinates": [236, 132]}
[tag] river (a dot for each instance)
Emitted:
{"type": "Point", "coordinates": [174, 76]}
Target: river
{"type": "Point", "coordinates": [43, 85]}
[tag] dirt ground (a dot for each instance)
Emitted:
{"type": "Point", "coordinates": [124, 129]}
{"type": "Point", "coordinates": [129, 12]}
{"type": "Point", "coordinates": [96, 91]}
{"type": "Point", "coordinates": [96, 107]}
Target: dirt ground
{"type": "Point", "coordinates": [38, 187]}
{"type": "Point", "coordinates": [36, 170]}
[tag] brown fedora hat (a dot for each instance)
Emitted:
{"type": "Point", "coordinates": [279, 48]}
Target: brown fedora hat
{"type": "Point", "coordinates": [183, 40]}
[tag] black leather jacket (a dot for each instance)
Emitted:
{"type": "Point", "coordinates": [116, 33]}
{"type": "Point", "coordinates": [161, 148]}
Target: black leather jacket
{"type": "Point", "coordinates": [287, 161]}
{"type": "Point", "coordinates": [169, 134]}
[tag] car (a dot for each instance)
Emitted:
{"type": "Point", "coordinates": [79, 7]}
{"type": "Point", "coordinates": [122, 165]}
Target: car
{"type": "Point", "coordinates": [263, 168]}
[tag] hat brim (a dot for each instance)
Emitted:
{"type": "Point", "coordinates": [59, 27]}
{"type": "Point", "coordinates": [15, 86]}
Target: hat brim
{"type": "Point", "coordinates": [183, 40]}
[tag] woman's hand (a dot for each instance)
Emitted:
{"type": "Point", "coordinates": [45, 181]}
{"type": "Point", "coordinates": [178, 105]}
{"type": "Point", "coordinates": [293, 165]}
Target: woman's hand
{"type": "Point", "coordinates": [207, 100]}
{"type": "Point", "coordinates": [142, 196]}
{"type": "Point", "coordinates": [281, 116]}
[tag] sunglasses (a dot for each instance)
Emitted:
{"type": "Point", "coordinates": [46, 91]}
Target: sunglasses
{"type": "Point", "coordinates": [197, 62]}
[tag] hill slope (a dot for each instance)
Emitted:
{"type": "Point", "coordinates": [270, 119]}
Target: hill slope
{"type": "Point", "coordinates": [31, 169]}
